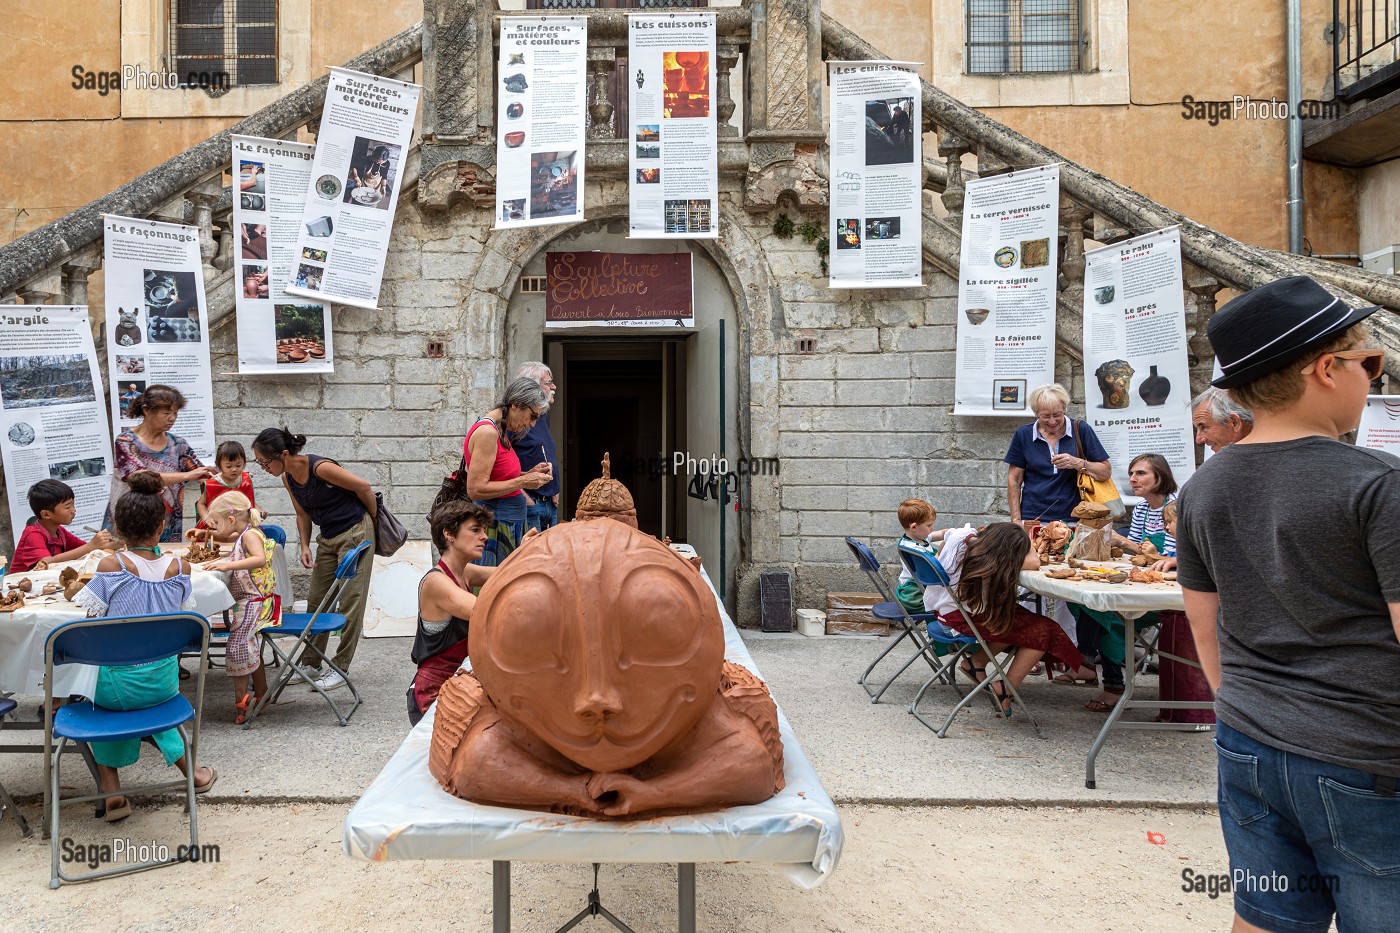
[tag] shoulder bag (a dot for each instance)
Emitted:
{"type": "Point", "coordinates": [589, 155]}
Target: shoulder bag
{"type": "Point", "coordinates": [1097, 490]}
{"type": "Point", "coordinates": [389, 532]}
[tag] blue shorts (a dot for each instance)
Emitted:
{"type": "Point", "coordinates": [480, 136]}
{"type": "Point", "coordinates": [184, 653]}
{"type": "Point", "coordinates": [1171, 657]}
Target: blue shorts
{"type": "Point", "coordinates": [1307, 839]}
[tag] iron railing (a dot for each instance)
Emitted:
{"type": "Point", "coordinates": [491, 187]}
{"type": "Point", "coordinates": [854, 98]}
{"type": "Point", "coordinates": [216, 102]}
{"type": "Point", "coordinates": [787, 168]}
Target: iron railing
{"type": "Point", "coordinates": [1365, 48]}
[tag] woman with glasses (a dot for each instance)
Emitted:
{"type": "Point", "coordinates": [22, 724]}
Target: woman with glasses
{"type": "Point", "coordinates": [342, 506]}
{"type": "Point", "coordinates": [150, 445]}
{"type": "Point", "coordinates": [1046, 458]}
{"type": "Point", "coordinates": [494, 476]}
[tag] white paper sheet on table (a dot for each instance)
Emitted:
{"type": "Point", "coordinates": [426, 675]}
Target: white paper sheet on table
{"type": "Point", "coordinates": [405, 814]}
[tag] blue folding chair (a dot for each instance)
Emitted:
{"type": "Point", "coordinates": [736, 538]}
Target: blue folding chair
{"type": "Point", "coordinates": [303, 626]}
{"type": "Point", "coordinates": [891, 610]}
{"type": "Point", "coordinates": [276, 533]}
{"type": "Point", "coordinates": [7, 706]}
{"type": "Point", "coordinates": [927, 571]}
{"type": "Point", "coordinates": [121, 642]}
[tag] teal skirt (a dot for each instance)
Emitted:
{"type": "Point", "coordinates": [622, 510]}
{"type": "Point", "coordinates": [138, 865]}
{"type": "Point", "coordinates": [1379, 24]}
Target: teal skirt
{"type": "Point", "coordinates": [128, 688]}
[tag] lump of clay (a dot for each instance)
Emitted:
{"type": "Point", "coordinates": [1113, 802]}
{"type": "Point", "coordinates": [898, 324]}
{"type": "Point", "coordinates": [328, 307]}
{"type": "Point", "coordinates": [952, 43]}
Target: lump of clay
{"type": "Point", "coordinates": [1146, 556]}
{"type": "Point", "coordinates": [25, 585]}
{"type": "Point", "coordinates": [605, 497]}
{"type": "Point", "coordinates": [66, 576]}
{"type": "Point", "coordinates": [1062, 573]}
{"type": "Point", "coordinates": [599, 687]}
{"type": "Point", "coordinates": [1050, 544]}
{"type": "Point", "coordinates": [1138, 575]}
{"type": "Point", "coordinates": [51, 588]}
{"type": "Point", "coordinates": [1115, 377]}
{"type": "Point", "coordinates": [13, 599]}
{"type": "Point", "coordinates": [71, 588]}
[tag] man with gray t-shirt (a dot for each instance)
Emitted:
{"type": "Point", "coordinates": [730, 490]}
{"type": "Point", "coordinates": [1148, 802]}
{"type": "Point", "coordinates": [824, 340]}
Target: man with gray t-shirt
{"type": "Point", "coordinates": [1289, 555]}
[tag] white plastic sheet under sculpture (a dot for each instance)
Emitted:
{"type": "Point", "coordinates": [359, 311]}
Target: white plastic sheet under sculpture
{"type": "Point", "coordinates": [405, 814]}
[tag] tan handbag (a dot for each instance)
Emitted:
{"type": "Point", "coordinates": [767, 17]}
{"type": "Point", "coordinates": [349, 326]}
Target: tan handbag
{"type": "Point", "coordinates": [1097, 490]}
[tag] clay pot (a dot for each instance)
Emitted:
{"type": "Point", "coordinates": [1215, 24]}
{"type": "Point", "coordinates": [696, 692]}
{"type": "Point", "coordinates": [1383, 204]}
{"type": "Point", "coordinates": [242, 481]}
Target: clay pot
{"type": "Point", "coordinates": [298, 356]}
{"type": "Point", "coordinates": [317, 353]}
{"type": "Point", "coordinates": [1155, 389]}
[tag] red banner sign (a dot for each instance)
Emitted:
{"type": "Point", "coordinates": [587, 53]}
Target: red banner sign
{"type": "Point", "coordinates": [627, 289]}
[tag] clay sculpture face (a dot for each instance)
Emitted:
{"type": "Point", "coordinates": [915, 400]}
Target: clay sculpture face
{"type": "Point", "coordinates": [609, 664]}
{"type": "Point", "coordinates": [599, 686]}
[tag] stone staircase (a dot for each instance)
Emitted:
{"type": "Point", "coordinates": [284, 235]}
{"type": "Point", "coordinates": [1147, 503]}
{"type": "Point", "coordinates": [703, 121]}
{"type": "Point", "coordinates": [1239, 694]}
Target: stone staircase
{"type": "Point", "coordinates": [52, 264]}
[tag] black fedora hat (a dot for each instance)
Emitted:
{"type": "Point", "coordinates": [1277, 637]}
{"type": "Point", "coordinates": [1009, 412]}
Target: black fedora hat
{"type": "Point", "coordinates": [1265, 329]}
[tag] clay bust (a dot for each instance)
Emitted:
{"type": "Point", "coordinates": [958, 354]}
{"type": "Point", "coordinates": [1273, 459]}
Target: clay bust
{"type": "Point", "coordinates": [605, 497]}
{"type": "Point", "coordinates": [600, 687]}
{"type": "Point", "coordinates": [1050, 544]}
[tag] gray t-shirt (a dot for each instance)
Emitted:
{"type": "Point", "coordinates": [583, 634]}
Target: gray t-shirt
{"type": "Point", "coordinates": [1301, 539]}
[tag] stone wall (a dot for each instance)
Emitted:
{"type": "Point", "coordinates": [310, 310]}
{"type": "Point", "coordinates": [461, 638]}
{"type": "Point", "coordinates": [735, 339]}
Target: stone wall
{"type": "Point", "coordinates": [858, 425]}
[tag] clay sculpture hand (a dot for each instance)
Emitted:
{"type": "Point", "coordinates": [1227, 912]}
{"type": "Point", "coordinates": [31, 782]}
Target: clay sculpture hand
{"type": "Point", "coordinates": [600, 687]}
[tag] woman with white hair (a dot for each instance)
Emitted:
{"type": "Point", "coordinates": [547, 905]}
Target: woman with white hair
{"type": "Point", "coordinates": [1046, 458]}
{"type": "Point", "coordinates": [494, 477]}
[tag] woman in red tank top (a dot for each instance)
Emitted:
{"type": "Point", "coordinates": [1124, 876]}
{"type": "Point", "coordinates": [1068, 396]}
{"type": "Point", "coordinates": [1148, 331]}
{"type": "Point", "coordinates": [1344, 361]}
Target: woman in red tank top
{"type": "Point", "coordinates": [493, 467]}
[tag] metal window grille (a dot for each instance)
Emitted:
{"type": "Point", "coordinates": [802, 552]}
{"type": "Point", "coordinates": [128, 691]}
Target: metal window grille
{"type": "Point", "coordinates": [224, 43]}
{"type": "Point", "coordinates": [1022, 36]}
{"type": "Point", "coordinates": [534, 284]}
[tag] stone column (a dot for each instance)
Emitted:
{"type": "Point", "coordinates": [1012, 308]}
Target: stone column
{"type": "Point", "coordinates": [601, 62]}
{"type": "Point", "coordinates": [458, 106]}
{"type": "Point", "coordinates": [205, 196]}
{"type": "Point", "coordinates": [44, 290]}
{"type": "Point", "coordinates": [952, 148]}
{"type": "Point", "coordinates": [784, 104]}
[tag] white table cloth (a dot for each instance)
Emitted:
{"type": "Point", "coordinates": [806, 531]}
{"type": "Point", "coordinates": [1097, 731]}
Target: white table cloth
{"type": "Point", "coordinates": [405, 814]}
{"type": "Point", "coordinates": [24, 631]}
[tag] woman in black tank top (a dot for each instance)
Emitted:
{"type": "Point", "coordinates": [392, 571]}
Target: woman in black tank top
{"type": "Point", "coordinates": [342, 507]}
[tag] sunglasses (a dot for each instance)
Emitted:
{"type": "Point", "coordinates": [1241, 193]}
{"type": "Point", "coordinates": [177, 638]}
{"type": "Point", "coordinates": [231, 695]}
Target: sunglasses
{"type": "Point", "coordinates": [1372, 360]}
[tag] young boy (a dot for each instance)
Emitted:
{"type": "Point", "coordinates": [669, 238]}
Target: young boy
{"type": "Point", "coordinates": [1290, 565]}
{"type": "Point", "coordinates": [230, 458]}
{"type": "Point", "coordinates": [45, 538]}
{"type": "Point", "coordinates": [916, 517]}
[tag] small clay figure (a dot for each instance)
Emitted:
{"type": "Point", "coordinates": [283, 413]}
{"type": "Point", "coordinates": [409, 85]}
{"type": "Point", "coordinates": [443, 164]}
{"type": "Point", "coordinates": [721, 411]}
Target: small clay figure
{"type": "Point", "coordinates": [67, 575]}
{"type": "Point", "coordinates": [71, 588]}
{"type": "Point", "coordinates": [201, 552]}
{"type": "Point", "coordinates": [13, 600]}
{"type": "Point", "coordinates": [605, 497]}
{"type": "Point", "coordinates": [1050, 544]}
{"type": "Point", "coordinates": [599, 687]}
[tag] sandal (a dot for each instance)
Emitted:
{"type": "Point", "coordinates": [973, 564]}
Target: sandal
{"type": "Point", "coordinates": [1098, 705]}
{"type": "Point", "coordinates": [971, 672]}
{"type": "Point", "coordinates": [240, 715]}
{"type": "Point", "coordinates": [1070, 678]}
{"type": "Point", "coordinates": [203, 788]}
{"type": "Point", "coordinates": [1003, 697]}
{"type": "Point", "coordinates": [115, 814]}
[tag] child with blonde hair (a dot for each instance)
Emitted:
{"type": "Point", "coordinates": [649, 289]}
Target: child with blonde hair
{"type": "Point", "coordinates": [916, 517]}
{"type": "Point", "coordinates": [253, 583]}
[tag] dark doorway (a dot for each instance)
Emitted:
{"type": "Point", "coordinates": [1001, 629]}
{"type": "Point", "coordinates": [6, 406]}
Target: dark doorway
{"type": "Point", "coordinates": [620, 397]}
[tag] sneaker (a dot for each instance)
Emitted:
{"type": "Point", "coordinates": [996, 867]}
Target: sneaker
{"type": "Point", "coordinates": [312, 673]}
{"type": "Point", "coordinates": [330, 680]}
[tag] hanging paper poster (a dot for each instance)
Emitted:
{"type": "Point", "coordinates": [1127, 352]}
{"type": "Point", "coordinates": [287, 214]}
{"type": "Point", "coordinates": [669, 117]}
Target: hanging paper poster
{"type": "Point", "coordinates": [277, 332]}
{"type": "Point", "coordinates": [1006, 291]}
{"type": "Point", "coordinates": [877, 176]}
{"type": "Point", "coordinates": [1380, 424]}
{"type": "Point", "coordinates": [672, 147]}
{"type": "Point", "coordinates": [1137, 377]}
{"type": "Point", "coordinates": [541, 96]}
{"type": "Point", "coordinates": [158, 323]}
{"type": "Point", "coordinates": [53, 420]}
{"type": "Point", "coordinates": [355, 176]}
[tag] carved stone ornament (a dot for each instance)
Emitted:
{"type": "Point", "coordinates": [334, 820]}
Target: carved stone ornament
{"type": "Point", "coordinates": [455, 182]}
{"type": "Point", "coordinates": [599, 687]}
{"type": "Point", "coordinates": [797, 176]}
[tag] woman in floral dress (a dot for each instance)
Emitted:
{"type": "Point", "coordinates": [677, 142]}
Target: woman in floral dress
{"type": "Point", "coordinates": [151, 446]}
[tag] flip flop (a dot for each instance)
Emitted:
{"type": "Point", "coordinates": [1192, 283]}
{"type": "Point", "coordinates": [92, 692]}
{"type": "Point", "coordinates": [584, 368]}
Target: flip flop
{"type": "Point", "coordinates": [203, 788]}
{"type": "Point", "coordinates": [1069, 679]}
{"type": "Point", "coordinates": [1099, 706]}
{"type": "Point", "coordinates": [115, 814]}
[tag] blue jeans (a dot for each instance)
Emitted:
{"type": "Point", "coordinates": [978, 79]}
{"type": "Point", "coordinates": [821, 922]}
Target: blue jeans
{"type": "Point", "coordinates": [543, 514]}
{"type": "Point", "coordinates": [1306, 839]}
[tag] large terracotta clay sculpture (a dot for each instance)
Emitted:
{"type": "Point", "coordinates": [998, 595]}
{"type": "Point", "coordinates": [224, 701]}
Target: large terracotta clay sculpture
{"type": "Point", "coordinates": [605, 497]}
{"type": "Point", "coordinates": [600, 687]}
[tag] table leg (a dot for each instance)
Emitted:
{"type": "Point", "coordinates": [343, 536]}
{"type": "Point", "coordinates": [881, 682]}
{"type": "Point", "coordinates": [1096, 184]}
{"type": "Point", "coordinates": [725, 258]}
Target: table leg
{"type": "Point", "coordinates": [1129, 669]}
{"type": "Point", "coordinates": [685, 885]}
{"type": "Point", "coordinates": [500, 897]}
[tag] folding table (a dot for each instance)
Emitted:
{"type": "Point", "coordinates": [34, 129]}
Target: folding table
{"type": "Point", "coordinates": [1129, 602]}
{"type": "Point", "coordinates": [405, 814]}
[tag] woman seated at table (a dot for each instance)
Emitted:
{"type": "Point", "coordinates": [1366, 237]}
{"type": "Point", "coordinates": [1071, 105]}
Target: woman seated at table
{"type": "Point", "coordinates": [141, 581]}
{"type": "Point", "coordinates": [1100, 634]}
{"type": "Point", "coordinates": [445, 595]}
{"type": "Point", "coordinates": [985, 570]}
